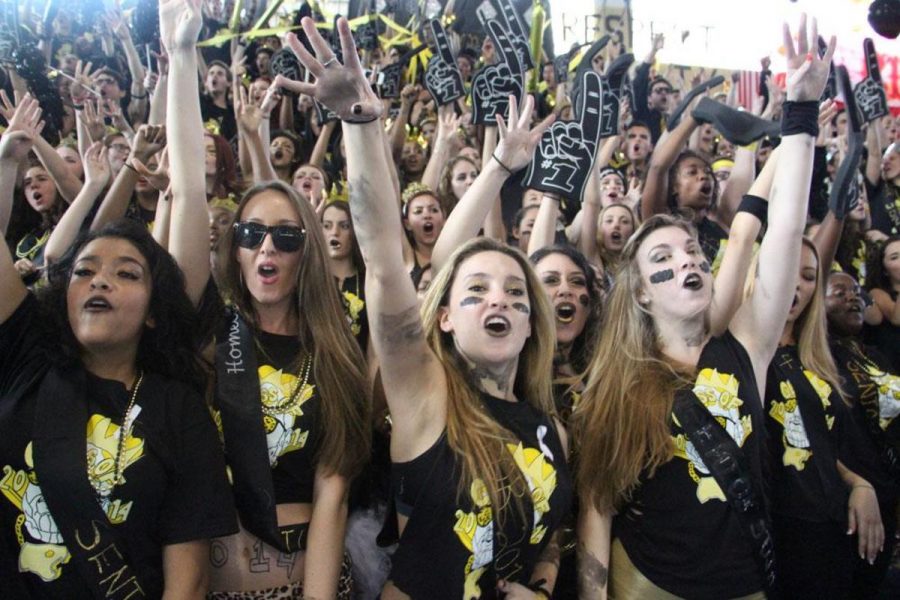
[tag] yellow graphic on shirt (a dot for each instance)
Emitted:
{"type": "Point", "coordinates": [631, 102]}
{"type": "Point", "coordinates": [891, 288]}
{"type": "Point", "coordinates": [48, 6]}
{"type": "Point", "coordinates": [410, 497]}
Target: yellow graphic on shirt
{"type": "Point", "coordinates": [475, 529]}
{"type": "Point", "coordinates": [42, 550]}
{"type": "Point", "coordinates": [796, 442]}
{"type": "Point", "coordinates": [719, 393]}
{"type": "Point", "coordinates": [282, 405]}
{"type": "Point", "coordinates": [355, 306]}
{"type": "Point", "coordinates": [888, 394]}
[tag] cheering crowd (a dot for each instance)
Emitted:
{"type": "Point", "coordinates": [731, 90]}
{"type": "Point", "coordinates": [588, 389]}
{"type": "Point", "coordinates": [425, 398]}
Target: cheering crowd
{"type": "Point", "coordinates": [306, 318]}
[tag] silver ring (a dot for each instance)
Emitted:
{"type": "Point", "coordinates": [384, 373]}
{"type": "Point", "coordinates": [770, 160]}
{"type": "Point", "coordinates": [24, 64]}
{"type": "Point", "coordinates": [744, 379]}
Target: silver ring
{"type": "Point", "coordinates": [328, 62]}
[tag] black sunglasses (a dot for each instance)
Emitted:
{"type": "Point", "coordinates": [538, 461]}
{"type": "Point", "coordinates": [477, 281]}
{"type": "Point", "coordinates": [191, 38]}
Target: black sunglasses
{"type": "Point", "coordinates": [287, 238]}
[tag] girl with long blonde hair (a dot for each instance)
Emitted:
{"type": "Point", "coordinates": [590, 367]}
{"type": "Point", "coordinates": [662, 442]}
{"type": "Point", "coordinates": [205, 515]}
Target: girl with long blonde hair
{"type": "Point", "coordinates": [816, 500]}
{"type": "Point", "coordinates": [479, 476]}
{"type": "Point", "coordinates": [669, 394]}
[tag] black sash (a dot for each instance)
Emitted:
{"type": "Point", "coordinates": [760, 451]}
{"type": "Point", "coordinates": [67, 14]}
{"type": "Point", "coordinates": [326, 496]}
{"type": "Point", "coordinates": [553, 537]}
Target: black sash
{"type": "Point", "coordinates": [60, 461]}
{"type": "Point", "coordinates": [238, 399]}
{"type": "Point", "coordinates": [813, 415]}
{"type": "Point", "coordinates": [730, 468]}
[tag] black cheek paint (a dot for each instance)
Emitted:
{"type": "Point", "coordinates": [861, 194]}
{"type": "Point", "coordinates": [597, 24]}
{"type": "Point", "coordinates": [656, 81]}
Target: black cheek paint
{"type": "Point", "coordinates": [661, 276]}
{"type": "Point", "coordinates": [704, 266]}
{"type": "Point", "coordinates": [584, 300]}
{"type": "Point", "coordinates": [471, 300]}
{"type": "Point", "coordinates": [522, 308]}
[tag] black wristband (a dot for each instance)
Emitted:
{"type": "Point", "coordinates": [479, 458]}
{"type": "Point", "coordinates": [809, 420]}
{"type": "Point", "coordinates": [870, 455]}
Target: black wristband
{"type": "Point", "coordinates": [800, 117]}
{"type": "Point", "coordinates": [756, 206]}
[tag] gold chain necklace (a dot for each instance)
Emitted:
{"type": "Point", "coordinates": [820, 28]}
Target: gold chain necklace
{"type": "Point", "coordinates": [298, 387]}
{"type": "Point", "coordinates": [118, 477]}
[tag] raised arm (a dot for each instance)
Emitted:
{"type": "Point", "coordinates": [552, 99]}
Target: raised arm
{"type": "Point", "coordinates": [544, 231]}
{"type": "Point", "coordinates": [147, 142]}
{"type": "Point", "coordinates": [413, 379]}
{"type": "Point", "coordinates": [873, 147]}
{"type": "Point", "coordinates": [656, 186]}
{"type": "Point", "coordinates": [513, 152]}
{"type": "Point", "coordinates": [14, 147]}
{"type": "Point", "coordinates": [179, 25]}
{"type": "Point", "coordinates": [745, 227]}
{"type": "Point", "coordinates": [444, 140]}
{"type": "Point", "coordinates": [249, 117]}
{"type": "Point", "coordinates": [137, 106]}
{"type": "Point", "coordinates": [96, 173]}
{"type": "Point", "coordinates": [738, 184]}
{"type": "Point", "coordinates": [759, 322]}
{"type": "Point", "coordinates": [158, 92]}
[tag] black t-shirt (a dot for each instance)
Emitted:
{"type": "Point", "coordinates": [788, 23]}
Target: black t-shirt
{"type": "Point", "coordinates": [874, 393]}
{"type": "Point", "coordinates": [452, 546]}
{"type": "Point", "coordinates": [174, 487]}
{"type": "Point", "coordinates": [886, 337]}
{"type": "Point", "coordinates": [678, 529]}
{"type": "Point", "coordinates": [223, 117]}
{"type": "Point", "coordinates": [290, 413]}
{"type": "Point", "coordinates": [884, 203]}
{"type": "Point", "coordinates": [804, 470]}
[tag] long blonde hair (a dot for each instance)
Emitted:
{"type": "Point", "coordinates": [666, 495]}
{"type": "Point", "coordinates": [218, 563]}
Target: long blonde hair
{"type": "Point", "coordinates": [811, 331]}
{"type": "Point", "coordinates": [621, 426]}
{"type": "Point", "coordinates": [472, 433]}
{"type": "Point", "coordinates": [323, 330]}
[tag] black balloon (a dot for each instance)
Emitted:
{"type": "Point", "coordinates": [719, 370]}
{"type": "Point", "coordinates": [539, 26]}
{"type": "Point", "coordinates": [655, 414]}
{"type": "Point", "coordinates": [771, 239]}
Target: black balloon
{"type": "Point", "coordinates": [884, 17]}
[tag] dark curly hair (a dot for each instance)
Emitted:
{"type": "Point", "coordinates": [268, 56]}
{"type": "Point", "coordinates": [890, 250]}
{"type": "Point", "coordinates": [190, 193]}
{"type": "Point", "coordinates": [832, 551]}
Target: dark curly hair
{"type": "Point", "coordinates": [672, 175]}
{"type": "Point", "coordinates": [876, 277]}
{"type": "Point", "coordinates": [584, 344]}
{"type": "Point", "coordinates": [169, 348]}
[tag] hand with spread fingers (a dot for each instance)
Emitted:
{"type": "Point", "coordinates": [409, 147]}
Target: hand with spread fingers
{"type": "Point", "coordinates": [24, 125]}
{"type": "Point", "coordinates": [96, 165]}
{"type": "Point", "coordinates": [517, 142]}
{"type": "Point", "coordinates": [342, 88]}
{"type": "Point", "coordinates": [807, 72]}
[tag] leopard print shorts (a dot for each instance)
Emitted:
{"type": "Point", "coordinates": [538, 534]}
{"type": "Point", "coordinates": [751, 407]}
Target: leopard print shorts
{"type": "Point", "coordinates": [293, 591]}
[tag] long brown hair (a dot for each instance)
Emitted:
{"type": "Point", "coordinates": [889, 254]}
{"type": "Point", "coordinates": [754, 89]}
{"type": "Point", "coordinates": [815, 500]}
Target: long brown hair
{"type": "Point", "coordinates": [477, 439]}
{"type": "Point", "coordinates": [621, 425]}
{"type": "Point", "coordinates": [445, 193]}
{"type": "Point", "coordinates": [338, 363]}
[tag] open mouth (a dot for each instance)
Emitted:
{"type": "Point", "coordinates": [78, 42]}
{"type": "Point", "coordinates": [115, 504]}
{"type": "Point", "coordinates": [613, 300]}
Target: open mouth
{"type": "Point", "coordinates": [97, 304]}
{"type": "Point", "coordinates": [613, 195]}
{"type": "Point", "coordinates": [497, 326]}
{"type": "Point", "coordinates": [334, 244]}
{"type": "Point", "coordinates": [268, 272]}
{"type": "Point", "coordinates": [616, 237]}
{"type": "Point", "coordinates": [706, 188]}
{"type": "Point", "coordinates": [428, 227]}
{"type": "Point", "coordinates": [278, 155]}
{"type": "Point", "coordinates": [307, 186]}
{"type": "Point", "coordinates": [565, 312]}
{"type": "Point", "coordinates": [693, 282]}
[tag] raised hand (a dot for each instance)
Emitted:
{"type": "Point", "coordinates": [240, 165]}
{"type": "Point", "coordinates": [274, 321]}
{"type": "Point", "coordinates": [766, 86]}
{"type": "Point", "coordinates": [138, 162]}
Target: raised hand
{"type": "Point", "coordinates": [807, 72]}
{"type": "Point", "coordinates": [270, 100]}
{"type": "Point", "coordinates": [342, 88]}
{"type": "Point", "coordinates": [158, 177]}
{"type": "Point", "coordinates": [493, 85]}
{"type": "Point", "coordinates": [442, 76]}
{"type": "Point", "coordinates": [517, 142]}
{"type": "Point", "coordinates": [149, 140]}
{"type": "Point", "coordinates": [238, 63]}
{"type": "Point", "coordinates": [115, 22]}
{"type": "Point", "coordinates": [249, 115]}
{"type": "Point", "coordinates": [870, 96]}
{"type": "Point", "coordinates": [565, 154]}
{"type": "Point", "coordinates": [24, 125]}
{"type": "Point", "coordinates": [96, 165]}
{"type": "Point", "coordinates": [92, 117]}
{"type": "Point", "coordinates": [449, 124]}
{"type": "Point", "coordinates": [83, 82]}
{"type": "Point", "coordinates": [7, 106]}
{"type": "Point", "coordinates": [179, 24]}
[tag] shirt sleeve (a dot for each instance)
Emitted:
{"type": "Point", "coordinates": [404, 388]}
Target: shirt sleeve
{"type": "Point", "coordinates": [22, 348]}
{"type": "Point", "coordinates": [199, 503]}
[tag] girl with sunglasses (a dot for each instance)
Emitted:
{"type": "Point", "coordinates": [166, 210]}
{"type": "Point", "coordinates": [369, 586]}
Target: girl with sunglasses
{"type": "Point", "coordinates": [290, 397]}
{"type": "Point", "coordinates": [479, 474]}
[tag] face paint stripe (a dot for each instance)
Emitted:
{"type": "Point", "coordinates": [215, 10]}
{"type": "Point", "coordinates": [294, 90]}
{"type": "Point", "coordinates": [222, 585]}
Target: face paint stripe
{"type": "Point", "coordinates": [704, 266]}
{"type": "Point", "coordinates": [522, 308]}
{"type": "Point", "coordinates": [662, 276]}
{"type": "Point", "coordinates": [584, 300]}
{"type": "Point", "coordinates": [471, 300]}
